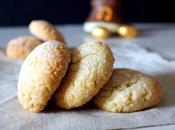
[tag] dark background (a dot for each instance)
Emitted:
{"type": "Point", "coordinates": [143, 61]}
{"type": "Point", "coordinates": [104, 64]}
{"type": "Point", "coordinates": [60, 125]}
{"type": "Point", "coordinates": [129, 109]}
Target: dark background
{"type": "Point", "coordinates": [21, 12]}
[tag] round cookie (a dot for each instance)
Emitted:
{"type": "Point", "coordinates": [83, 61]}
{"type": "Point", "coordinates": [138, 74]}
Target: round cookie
{"type": "Point", "coordinates": [128, 91]}
{"type": "Point", "coordinates": [90, 67]}
{"type": "Point", "coordinates": [20, 47]}
{"type": "Point", "coordinates": [45, 31]}
{"type": "Point", "coordinates": [41, 74]}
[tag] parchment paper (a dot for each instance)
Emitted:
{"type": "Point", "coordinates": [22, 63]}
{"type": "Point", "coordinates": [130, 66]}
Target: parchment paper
{"type": "Point", "coordinates": [12, 116]}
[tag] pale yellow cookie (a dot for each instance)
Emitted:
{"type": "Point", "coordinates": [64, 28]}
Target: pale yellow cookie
{"type": "Point", "coordinates": [128, 91]}
{"type": "Point", "coordinates": [90, 67]}
{"type": "Point", "coordinates": [45, 31]}
{"type": "Point", "coordinates": [20, 47]}
{"type": "Point", "coordinates": [41, 74]}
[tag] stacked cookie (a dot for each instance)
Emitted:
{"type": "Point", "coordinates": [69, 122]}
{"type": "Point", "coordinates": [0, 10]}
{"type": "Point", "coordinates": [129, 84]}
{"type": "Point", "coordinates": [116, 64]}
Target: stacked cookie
{"type": "Point", "coordinates": [41, 75]}
{"type": "Point", "coordinates": [128, 91]}
{"type": "Point", "coordinates": [73, 77]}
{"type": "Point", "coordinates": [20, 47]}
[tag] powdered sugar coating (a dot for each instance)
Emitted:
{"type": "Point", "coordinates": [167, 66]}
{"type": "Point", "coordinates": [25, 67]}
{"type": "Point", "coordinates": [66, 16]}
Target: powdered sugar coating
{"type": "Point", "coordinates": [90, 67]}
{"type": "Point", "coordinates": [41, 74]}
{"type": "Point", "coordinates": [128, 91]}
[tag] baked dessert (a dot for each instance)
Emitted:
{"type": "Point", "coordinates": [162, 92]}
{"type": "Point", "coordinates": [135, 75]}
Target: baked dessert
{"type": "Point", "coordinates": [90, 67]}
{"type": "Point", "coordinates": [41, 74]}
{"type": "Point", "coordinates": [21, 46]}
{"type": "Point", "coordinates": [128, 91]}
{"type": "Point", "coordinates": [45, 31]}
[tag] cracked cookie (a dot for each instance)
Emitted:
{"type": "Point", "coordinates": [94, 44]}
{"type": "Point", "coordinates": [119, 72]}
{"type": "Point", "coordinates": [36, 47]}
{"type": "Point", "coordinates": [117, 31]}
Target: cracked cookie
{"type": "Point", "coordinates": [41, 74]}
{"type": "Point", "coordinates": [45, 31]}
{"type": "Point", "coordinates": [20, 47]}
{"type": "Point", "coordinates": [128, 91]}
{"type": "Point", "coordinates": [90, 68]}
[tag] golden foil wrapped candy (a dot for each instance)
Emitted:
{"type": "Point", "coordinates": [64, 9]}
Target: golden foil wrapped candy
{"type": "Point", "coordinates": [100, 32]}
{"type": "Point", "coordinates": [128, 31]}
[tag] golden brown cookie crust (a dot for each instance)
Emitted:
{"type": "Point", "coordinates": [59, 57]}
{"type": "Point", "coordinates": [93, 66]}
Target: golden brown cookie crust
{"type": "Point", "coordinates": [45, 31]}
{"type": "Point", "coordinates": [90, 67]}
{"type": "Point", "coordinates": [41, 74]}
{"type": "Point", "coordinates": [128, 91]}
{"type": "Point", "coordinates": [21, 46]}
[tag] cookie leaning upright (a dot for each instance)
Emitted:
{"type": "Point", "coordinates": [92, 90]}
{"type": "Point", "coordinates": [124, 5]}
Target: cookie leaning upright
{"type": "Point", "coordinates": [90, 67]}
{"type": "Point", "coordinates": [128, 91]}
{"type": "Point", "coordinates": [41, 74]}
{"type": "Point", "coordinates": [45, 31]}
{"type": "Point", "coordinates": [20, 47]}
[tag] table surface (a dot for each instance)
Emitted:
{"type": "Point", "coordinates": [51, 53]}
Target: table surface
{"type": "Point", "coordinates": [159, 38]}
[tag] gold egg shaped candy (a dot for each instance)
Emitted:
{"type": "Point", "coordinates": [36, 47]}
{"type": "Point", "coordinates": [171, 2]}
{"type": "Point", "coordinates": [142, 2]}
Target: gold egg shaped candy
{"type": "Point", "coordinates": [128, 31]}
{"type": "Point", "coordinates": [100, 33]}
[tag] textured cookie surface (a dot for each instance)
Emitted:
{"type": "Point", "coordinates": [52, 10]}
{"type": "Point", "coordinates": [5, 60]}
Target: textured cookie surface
{"type": "Point", "coordinates": [128, 91]}
{"type": "Point", "coordinates": [41, 74]}
{"type": "Point", "coordinates": [20, 47]}
{"type": "Point", "coordinates": [90, 67]}
{"type": "Point", "coordinates": [45, 31]}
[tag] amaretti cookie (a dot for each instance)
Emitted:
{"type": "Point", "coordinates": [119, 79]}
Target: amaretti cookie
{"type": "Point", "coordinates": [45, 31]}
{"type": "Point", "coordinates": [41, 74]}
{"type": "Point", "coordinates": [90, 67]}
{"type": "Point", "coordinates": [128, 91]}
{"type": "Point", "coordinates": [20, 47]}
